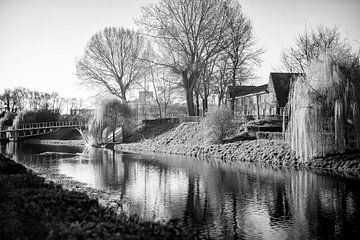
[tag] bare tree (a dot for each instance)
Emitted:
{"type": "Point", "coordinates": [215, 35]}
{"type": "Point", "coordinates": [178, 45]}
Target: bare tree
{"type": "Point", "coordinates": [73, 102]}
{"type": "Point", "coordinates": [204, 86]}
{"type": "Point", "coordinates": [55, 102]}
{"type": "Point", "coordinates": [189, 33]}
{"type": "Point", "coordinates": [6, 99]}
{"type": "Point", "coordinates": [164, 89]}
{"type": "Point", "coordinates": [112, 61]}
{"type": "Point", "coordinates": [221, 79]}
{"type": "Point", "coordinates": [310, 45]}
{"type": "Point", "coordinates": [240, 47]}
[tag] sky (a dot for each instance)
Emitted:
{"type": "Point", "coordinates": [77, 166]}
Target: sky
{"type": "Point", "coordinates": [40, 40]}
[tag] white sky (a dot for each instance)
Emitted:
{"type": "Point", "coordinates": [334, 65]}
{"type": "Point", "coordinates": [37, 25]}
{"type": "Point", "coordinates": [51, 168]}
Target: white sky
{"type": "Point", "coordinates": [40, 39]}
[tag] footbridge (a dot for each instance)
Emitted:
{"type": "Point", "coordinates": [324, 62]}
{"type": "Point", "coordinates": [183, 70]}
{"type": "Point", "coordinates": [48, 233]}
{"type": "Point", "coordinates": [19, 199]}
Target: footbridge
{"type": "Point", "coordinates": [14, 133]}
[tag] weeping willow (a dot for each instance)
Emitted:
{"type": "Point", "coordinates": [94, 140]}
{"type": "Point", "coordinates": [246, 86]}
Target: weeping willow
{"type": "Point", "coordinates": [324, 112]}
{"type": "Point", "coordinates": [109, 115]}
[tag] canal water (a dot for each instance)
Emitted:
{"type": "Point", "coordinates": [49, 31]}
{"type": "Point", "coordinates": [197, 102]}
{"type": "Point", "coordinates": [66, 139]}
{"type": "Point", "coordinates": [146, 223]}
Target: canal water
{"type": "Point", "coordinates": [212, 199]}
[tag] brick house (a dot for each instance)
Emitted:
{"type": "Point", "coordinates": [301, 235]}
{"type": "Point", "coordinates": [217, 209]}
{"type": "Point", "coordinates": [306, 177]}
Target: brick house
{"type": "Point", "coordinates": [264, 100]}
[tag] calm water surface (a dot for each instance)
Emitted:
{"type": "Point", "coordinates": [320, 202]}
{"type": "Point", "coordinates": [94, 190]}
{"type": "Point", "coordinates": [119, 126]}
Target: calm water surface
{"type": "Point", "coordinates": [213, 199]}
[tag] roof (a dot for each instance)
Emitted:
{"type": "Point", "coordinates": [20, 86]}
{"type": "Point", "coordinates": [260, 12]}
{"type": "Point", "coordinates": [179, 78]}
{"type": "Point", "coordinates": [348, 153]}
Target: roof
{"type": "Point", "coordinates": [238, 91]}
{"type": "Point", "coordinates": [281, 84]}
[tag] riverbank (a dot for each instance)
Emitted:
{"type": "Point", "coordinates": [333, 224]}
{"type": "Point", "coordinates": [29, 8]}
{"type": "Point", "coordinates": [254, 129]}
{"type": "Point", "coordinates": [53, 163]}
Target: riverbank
{"type": "Point", "coordinates": [48, 205]}
{"type": "Point", "coordinates": [189, 139]}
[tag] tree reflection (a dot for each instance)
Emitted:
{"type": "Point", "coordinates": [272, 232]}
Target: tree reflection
{"type": "Point", "coordinates": [216, 200]}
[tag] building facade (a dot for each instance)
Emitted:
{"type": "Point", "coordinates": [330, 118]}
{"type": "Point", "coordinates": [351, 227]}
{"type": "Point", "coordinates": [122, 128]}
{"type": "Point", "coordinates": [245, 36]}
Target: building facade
{"type": "Point", "coordinates": [264, 100]}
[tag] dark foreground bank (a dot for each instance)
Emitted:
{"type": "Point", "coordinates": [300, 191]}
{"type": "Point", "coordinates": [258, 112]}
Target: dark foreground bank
{"type": "Point", "coordinates": [31, 208]}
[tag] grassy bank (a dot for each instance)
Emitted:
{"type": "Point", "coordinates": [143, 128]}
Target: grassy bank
{"type": "Point", "coordinates": [189, 139]}
{"type": "Point", "coordinates": [32, 208]}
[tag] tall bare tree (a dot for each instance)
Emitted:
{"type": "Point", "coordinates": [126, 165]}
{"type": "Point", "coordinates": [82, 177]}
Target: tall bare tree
{"type": "Point", "coordinates": [221, 79]}
{"type": "Point", "coordinates": [189, 33]}
{"type": "Point", "coordinates": [112, 61]}
{"type": "Point", "coordinates": [164, 89]}
{"type": "Point", "coordinates": [240, 46]}
{"type": "Point", "coordinates": [310, 45]}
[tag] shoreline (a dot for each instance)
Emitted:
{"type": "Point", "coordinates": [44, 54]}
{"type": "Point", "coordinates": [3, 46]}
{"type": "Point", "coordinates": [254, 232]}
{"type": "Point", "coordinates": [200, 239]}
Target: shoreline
{"type": "Point", "coordinates": [272, 153]}
{"type": "Point", "coordinates": [63, 208]}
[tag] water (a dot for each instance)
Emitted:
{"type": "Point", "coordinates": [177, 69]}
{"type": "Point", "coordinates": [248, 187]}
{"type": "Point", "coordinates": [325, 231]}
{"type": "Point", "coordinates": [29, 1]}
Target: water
{"type": "Point", "coordinates": [216, 200]}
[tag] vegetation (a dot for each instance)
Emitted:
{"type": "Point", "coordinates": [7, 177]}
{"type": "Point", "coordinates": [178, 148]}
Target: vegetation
{"type": "Point", "coordinates": [34, 209]}
{"type": "Point", "coordinates": [109, 115]}
{"type": "Point", "coordinates": [20, 99]}
{"type": "Point", "coordinates": [7, 119]}
{"type": "Point", "coordinates": [310, 46]}
{"type": "Point", "coordinates": [323, 104]}
{"type": "Point", "coordinates": [217, 124]}
{"type": "Point", "coordinates": [42, 115]}
{"type": "Point", "coordinates": [113, 61]}
{"type": "Point", "coordinates": [240, 47]}
{"type": "Point", "coordinates": [324, 112]}
{"type": "Point", "coordinates": [195, 33]}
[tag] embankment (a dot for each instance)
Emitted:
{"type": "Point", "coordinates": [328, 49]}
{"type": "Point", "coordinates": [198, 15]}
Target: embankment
{"type": "Point", "coordinates": [189, 139]}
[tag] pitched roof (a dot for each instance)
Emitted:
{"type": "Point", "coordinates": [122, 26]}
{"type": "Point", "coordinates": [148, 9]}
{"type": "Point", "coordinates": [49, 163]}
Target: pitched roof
{"type": "Point", "coordinates": [239, 91]}
{"type": "Point", "coordinates": [281, 83]}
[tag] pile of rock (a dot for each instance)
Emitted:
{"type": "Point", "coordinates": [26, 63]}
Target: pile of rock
{"type": "Point", "coordinates": [188, 139]}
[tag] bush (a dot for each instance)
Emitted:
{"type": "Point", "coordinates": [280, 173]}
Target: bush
{"type": "Point", "coordinates": [42, 115]}
{"type": "Point", "coordinates": [74, 118]}
{"type": "Point", "coordinates": [8, 119]}
{"type": "Point", "coordinates": [217, 124]}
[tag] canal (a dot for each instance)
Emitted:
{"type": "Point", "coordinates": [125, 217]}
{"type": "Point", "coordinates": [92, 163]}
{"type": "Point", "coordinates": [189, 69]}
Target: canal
{"type": "Point", "coordinates": [212, 199]}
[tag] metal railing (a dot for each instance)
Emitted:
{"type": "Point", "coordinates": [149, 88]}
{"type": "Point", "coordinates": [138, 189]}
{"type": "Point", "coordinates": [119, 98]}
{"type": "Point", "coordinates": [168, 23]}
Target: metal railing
{"type": "Point", "coordinates": [49, 125]}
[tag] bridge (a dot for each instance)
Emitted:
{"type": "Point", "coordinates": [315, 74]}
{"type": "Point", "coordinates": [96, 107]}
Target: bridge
{"type": "Point", "coordinates": [14, 133]}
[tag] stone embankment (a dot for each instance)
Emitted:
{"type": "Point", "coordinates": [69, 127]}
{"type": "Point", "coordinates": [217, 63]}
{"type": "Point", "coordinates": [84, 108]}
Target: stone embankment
{"type": "Point", "coordinates": [34, 208]}
{"type": "Point", "coordinates": [189, 139]}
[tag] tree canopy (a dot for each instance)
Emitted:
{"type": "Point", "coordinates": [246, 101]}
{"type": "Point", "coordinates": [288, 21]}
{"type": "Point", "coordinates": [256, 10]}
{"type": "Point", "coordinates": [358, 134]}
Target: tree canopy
{"type": "Point", "coordinates": [112, 61]}
{"type": "Point", "coordinates": [310, 45]}
{"type": "Point", "coordinates": [190, 33]}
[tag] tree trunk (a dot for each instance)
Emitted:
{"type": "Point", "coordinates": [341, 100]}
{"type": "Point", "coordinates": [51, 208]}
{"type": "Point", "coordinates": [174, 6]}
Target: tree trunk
{"type": "Point", "coordinates": [232, 106]}
{"type": "Point", "coordinates": [235, 63]}
{"type": "Point", "coordinates": [8, 104]}
{"type": "Point", "coordinates": [159, 107]}
{"type": "Point", "coordinates": [165, 108]}
{"type": "Point", "coordinates": [123, 94]}
{"type": "Point", "coordinates": [189, 85]}
{"type": "Point", "coordinates": [190, 102]}
{"type": "Point", "coordinates": [197, 104]}
{"type": "Point", "coordinates": [205, 104]}
{"type": "Point", "coordinates": [220, 98]}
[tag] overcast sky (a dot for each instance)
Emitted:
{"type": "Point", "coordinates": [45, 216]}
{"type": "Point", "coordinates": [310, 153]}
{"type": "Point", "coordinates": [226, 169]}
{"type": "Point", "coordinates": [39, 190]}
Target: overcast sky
{"type": "Point", "coordinates": [40, 39]}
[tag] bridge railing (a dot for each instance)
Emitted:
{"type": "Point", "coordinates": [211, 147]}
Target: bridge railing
{"type": "Point", "coordinates": [50, 124]}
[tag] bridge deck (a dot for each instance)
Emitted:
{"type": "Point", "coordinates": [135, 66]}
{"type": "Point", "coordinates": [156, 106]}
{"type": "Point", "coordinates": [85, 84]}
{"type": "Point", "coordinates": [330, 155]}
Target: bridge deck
{"type": "Point", "coordinates": [33, 129]}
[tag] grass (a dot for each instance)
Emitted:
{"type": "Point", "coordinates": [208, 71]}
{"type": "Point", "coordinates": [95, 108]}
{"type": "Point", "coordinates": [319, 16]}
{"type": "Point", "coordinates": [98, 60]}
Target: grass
{"type": "Point", "coordinates": [31, 208]}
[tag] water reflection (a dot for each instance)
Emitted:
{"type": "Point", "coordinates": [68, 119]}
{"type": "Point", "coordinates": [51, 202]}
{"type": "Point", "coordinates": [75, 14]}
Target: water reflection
{"type": "Point", "coordinates": [212, 199]}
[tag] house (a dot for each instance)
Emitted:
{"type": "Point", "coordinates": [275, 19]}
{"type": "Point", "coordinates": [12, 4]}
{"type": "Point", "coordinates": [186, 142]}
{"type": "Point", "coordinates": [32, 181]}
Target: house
{"type": "Point", "coordinates": [264, 100]}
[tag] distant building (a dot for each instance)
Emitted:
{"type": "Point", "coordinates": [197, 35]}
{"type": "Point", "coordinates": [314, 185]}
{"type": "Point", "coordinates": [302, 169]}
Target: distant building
{"type": "Point", "coordinates": [264, 100]}
{"type": "Point", "coordinates": [145, 106]}
{"type": "Point", "coordinates": [82, 111]}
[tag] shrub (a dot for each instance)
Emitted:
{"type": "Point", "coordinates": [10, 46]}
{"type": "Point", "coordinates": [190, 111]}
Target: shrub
{"type": "Point", "coordinates": [8, 119]}
{"type": "Point", "coordinates": [42, 115]}
{"type": "Point", "coordinates": [217, 124]}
